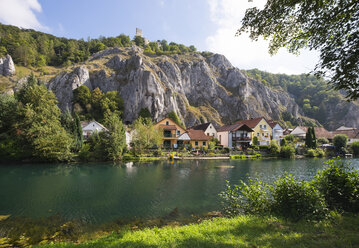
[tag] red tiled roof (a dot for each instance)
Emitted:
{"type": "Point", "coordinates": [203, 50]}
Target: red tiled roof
{"type": "Point", "coordinates": [252, 123]}
{"type": "Point", "coordinates": [243, 127]}
{"type": "Point", "coordinates": [272, 123]}
{"type": "Point", "coordinates": [228, 128]}
{"type": "Point", "coordinates": [352, 134]}
{"type": "Point", "coordinates": [202, 127]}
{"type": "Point", "coordinates": [197, 135]}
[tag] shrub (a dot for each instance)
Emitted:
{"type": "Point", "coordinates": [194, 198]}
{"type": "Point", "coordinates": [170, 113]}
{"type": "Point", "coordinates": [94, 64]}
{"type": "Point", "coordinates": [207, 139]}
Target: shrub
{"type": "Point", "coordinates": [226, 149]}
{"type": "Point", "coordinates": [320, 152]}
{"type": "Point", "coordinates": [263, 147]}
{"type": "Point", "coordinates": [340, 186]}
{"type": "Point", "coordinates": [355, 148]}
{"type": "Point", "coordinates": [283, 142]}
{"type": "Point", "coordinates": [251, 198]}
{"type": "Point", "coordinates": [84, 153]}
{"type": "Point", "coordinates": [311, 153]}
{"type": "Point", "coordinates": [287, 152]}
{"type": "Point", "coordinates": [322, 141]}
{"type": "Point", "coordinates": [255, 140]}
{"type": "Point", "coordinates": [340, 142]}
{"type": "Point", "coordinates": [295, 200]}
{"type": "Point", "coordinates": [274, 149]}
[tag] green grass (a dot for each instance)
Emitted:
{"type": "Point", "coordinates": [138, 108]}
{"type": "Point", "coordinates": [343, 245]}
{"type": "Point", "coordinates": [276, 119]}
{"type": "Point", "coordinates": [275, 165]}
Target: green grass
{"type": "Point", "coordinates": [242, 231]}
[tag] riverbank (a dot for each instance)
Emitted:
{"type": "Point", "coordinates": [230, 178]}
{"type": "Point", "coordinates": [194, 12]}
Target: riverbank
{"type": "Point", "coordinates": [242, 231]}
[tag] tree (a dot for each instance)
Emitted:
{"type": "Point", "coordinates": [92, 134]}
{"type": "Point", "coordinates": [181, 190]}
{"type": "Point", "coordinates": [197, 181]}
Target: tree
{"type": "Point", "coordinates": [145, 135]}
{"type": "Point", "coordinates": [328, 26]}
{"type": "Point", "coordinates": [314, 139]}
{"type": "Point", "coordinates": [145, 113]}
{"type": "Point", "coordinates": [355, 148]}
{"type": "Point", "coordinates": [308, 138]}
{"type": "Point", "coordinates": [41, 125]}
{"type": "Point", "coordinates": [79, 138]}
{"type": "Point", "coordinates": [115, 140]}
{"type": "Point", "coordinates": [340, 142]}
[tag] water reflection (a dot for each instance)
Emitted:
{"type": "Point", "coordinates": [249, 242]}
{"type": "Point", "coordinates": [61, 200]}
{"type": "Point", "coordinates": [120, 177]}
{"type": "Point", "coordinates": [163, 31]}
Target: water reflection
{"type": "Point", "coordinates": [103, 192]}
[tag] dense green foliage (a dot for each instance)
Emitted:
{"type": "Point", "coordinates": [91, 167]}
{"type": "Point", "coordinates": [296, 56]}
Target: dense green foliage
{"type": "Point", "coordinates": [115, 140]}
{"type": "Point", "coordinates": [339, 184]}
{"type": "Point", "coordinates": [313, 95]}
{"type": "Point", "coordinates": [335, 187]}
{"type": "Point", "coordinates": [145, 113]}
{"type": "Point", "coordinates": [310, 139]}
{"type": "Point", "coordinates": [96, 104]}
{"type": "Point", "coordinates": [287, 151]}
{"type": "Point", "coordinates": [340, 141]}
{"type": "Point", "coordinates": [355, 148]}
{"type": "Point", "coordinates": [31, 48]}
{"type": "Point", "coordinates": [146, 135]}
{"type": "Point", "coordinates": [328, 26]}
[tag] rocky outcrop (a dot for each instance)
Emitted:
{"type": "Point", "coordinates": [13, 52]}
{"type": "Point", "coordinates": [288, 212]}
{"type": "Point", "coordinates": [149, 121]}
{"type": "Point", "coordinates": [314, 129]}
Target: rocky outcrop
{"type": "Point", "coordinates": [7, 67]}
{"type": "Point", "coordinates": [64, 84]}
{"type": "Point", "coordinates": [198, 89]}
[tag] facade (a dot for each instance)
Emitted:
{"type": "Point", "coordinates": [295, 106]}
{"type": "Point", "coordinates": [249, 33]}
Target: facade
{"type": "Point", "coordinates": [277, 130]}
{"type": "Point", "coordinates": [262, 130]}
{"type": "Point", "coordinates": [88, 128]}
{"type": "Point", "coordinates": [171, 131]}
{"type": "Point", "coordinates": [198, 139]}
{"type": "Point", "coordinates": [207, 128]}
{"type": "Point", "coordinates": [320, 132]}
{"type": "Point", "coordinates": [235, 135]}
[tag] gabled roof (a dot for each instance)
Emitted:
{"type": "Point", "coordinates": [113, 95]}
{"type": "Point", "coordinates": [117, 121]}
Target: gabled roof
{"type": "Point", "coordinates": [352, 133]}
{"type": "Point", "coordinates": [272, 123]}
{"type": "Point", "coordinates": [343, 128]}
{"type": "Point", "coordinates": [202, 127]}
{"type": "Point", "coordinates": [243, 127]}
{"type": "Point", "coordinates": [228, 128]}
{"type": "Point", "coordinates": [86, 123]}
{"type": "Point", "coordinates": [252, 123]}
{"type": "Point", "coordinates": [197, 135]}
{"type": "Point", "coordinates": [320, 132]}
{"type": "Point", "coordinates": [168, 127]}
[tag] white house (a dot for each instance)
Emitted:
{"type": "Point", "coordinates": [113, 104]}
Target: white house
{"type": "Point", "coordinates": [277, 130]}
{"type": "Point", "coordinates": [207, 128]}
{"type": "Point", "coordinates": [88, 128]}
{"type": "Point", "coordinates": [235, 135]}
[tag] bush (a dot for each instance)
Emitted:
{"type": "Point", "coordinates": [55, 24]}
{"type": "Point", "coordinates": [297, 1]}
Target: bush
{"type": "Point", "coordinates": [355, 148]}
{"type": "Point", "coordinates": [283, 142]}
{"type": "Point", "coordinates": [263, 147]}
{"type": "Point", "coordinates": [84, 153]}
{"type": "Point", "coordinates": [339, 185]}
{"type": "Point", "coordinates": [274, 149]}
{"type": "Point", "coordinates": [322, 141]}
{"type": "Point", "coordinates": [287, 152]}
{"type": "Point", "coordinates": [255, 140]}
{"type": "Point", "coordinates": [311, 153]}
{"type": "Point", "coordinates": [320, 152]}
{"type": "Point", "coordinates": [226, 149]}
{"type": "Point", "coordinates": [251, 198]}
{"type": "Point", "coordinates": [340, 143]}
{"type": "Point", "coordinates": [295, 200]}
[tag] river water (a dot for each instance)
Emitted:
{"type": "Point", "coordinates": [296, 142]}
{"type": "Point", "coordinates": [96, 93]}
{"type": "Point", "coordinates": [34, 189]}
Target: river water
{"type": "Point", "coordinates": [103, 192]}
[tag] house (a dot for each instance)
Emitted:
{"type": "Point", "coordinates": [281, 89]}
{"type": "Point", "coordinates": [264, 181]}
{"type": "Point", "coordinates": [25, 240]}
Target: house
{"type": "Point", "coordinates": [343, 128]}
{"type": "Point", "coordinates": [235, 135]}
{"type": "Point", "coordinates": [277, 130]}
{"type": "Point", "coordinates": [320, 132]}
{"type": "Point", "coordinates": [352, 133]}
{"type": "Point", "coordinates": [207, 128]}
{"type": "Point", "coordinates": [262, 129]}
{"type": "Point", "coordinates": [89, 127]}
{"type": "Point", "coordinates": [195, 138]}
{"type": "Point", "coordinates": [171, 131]}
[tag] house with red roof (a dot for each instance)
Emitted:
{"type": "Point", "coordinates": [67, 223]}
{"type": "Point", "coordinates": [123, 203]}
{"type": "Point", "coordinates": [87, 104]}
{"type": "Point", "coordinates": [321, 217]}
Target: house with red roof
{"type": "Point", "coordinates": [235, 135]}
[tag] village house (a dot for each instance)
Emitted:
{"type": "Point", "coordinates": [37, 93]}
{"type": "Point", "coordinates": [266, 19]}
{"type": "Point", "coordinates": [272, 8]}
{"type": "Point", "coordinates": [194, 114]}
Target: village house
{"type": "Point", "coordinates": [277, 130]}
{"type": "Point", "coordinates": [320, 132]}
{"type": "Point", "coordinates": [207, 128]}
{"type": "Point", "coordinates": [194, 138]}
{"type": "Point", "coordinates": [262, 130]}
{"type": "Point", "coordinates": [89, 127]}
{"type": "Point", "coordinates": [235, 135]}
{"type": "Point", "coordinates": [351, 133]}
{"type": "Point", "coordinates": [171, 131]}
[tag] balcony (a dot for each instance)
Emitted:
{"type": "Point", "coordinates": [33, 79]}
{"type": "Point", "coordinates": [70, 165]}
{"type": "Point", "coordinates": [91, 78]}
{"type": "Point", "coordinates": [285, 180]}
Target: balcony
{"type": "Point", "coordinates": [241, 139]}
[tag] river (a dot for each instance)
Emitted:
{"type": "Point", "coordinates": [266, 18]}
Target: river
{"type": "Point", "coordinates": [102, 192]}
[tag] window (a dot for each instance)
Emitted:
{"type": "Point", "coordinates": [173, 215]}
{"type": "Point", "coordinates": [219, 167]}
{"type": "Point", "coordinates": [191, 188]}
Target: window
{"type": "Point", "coordinates": [196, 143]}
{"type": "Point", "coordinates": [207, 134]}
{"type": "Point", "coordinates": [262, 134]}
{"type": "Point", "coordinates": [178, 133]}
{"type": "Point", "coordinates": [220, 138]}
{"type": "Point", "coordinates": [265, 126]}
{"type": "Point", "coordinates": [258, 134]}
{"type": "Point", "coordinates": [167, 123]}
{"type": "Point", "coordinates": [204, 143]}
{"type": "Point", "coordinates": [260, 126]}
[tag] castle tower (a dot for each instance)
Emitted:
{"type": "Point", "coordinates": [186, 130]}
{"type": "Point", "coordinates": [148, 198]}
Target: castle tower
{"type": "Point", "coordinates": [138, 32]}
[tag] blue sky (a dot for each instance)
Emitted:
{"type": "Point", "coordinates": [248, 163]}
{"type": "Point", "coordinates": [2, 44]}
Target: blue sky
{"type": "Point", "coordinates": [207, 24]}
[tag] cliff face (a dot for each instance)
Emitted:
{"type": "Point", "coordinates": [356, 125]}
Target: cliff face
{"type": "Point", "coordinates": [7, 67]}
{"type": "Point", "coordinates": [197, 88]}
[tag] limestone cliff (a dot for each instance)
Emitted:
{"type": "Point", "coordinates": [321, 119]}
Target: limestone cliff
{"type": "Point", "coordinates": [197, 88]}
{"type": "Point", "coordinates": [7, 67]}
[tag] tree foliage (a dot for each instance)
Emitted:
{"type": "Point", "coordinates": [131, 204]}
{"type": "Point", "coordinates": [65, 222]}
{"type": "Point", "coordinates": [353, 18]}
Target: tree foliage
{"type": "Point", "coordinates": [174, 117]}
{"type": "Point", "coordinates": [340, 142]}
{"type": "Point", "coordinates": [329, 26]}
{"type": "Point", "coordinates": [145, 135]}
{"type": "Point", "coordinates": [115, 140]}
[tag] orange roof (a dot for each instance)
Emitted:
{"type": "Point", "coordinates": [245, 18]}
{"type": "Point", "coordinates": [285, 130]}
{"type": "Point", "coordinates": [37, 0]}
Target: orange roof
{"type": "Point", "coordinates": [197, 135]}
{"type": "Point", "coordinates": [352, 134]}
{"type": "Point", "coordinates": [252, 123]}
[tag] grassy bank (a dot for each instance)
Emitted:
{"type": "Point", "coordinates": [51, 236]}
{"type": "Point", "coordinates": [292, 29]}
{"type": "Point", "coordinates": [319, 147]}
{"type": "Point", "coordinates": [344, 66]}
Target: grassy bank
{"type": "Point", "coordinates": [242, 231]}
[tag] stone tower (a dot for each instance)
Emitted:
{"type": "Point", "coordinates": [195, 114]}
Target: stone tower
{"type": "Point", "coordinates": [138, 32]}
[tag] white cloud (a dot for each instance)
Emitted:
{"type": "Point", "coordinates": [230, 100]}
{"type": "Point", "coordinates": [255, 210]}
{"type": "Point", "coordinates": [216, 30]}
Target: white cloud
{"type": "Point", "coordinates": [247, 54]}
{"type": "Point", "coordinates": [21, 13]}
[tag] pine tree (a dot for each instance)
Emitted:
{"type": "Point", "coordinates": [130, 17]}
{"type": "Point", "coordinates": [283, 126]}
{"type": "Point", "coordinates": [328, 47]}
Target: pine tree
{"type": "Point", "coordinates": [314, 139]}
{"type": "Point", "coordinates": [308, 138]}
{"type": "Point", "coordinates": [79, 139]}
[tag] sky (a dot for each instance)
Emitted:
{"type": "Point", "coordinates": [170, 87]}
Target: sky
{"type": "Point", "coordinates": [209, 25]}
